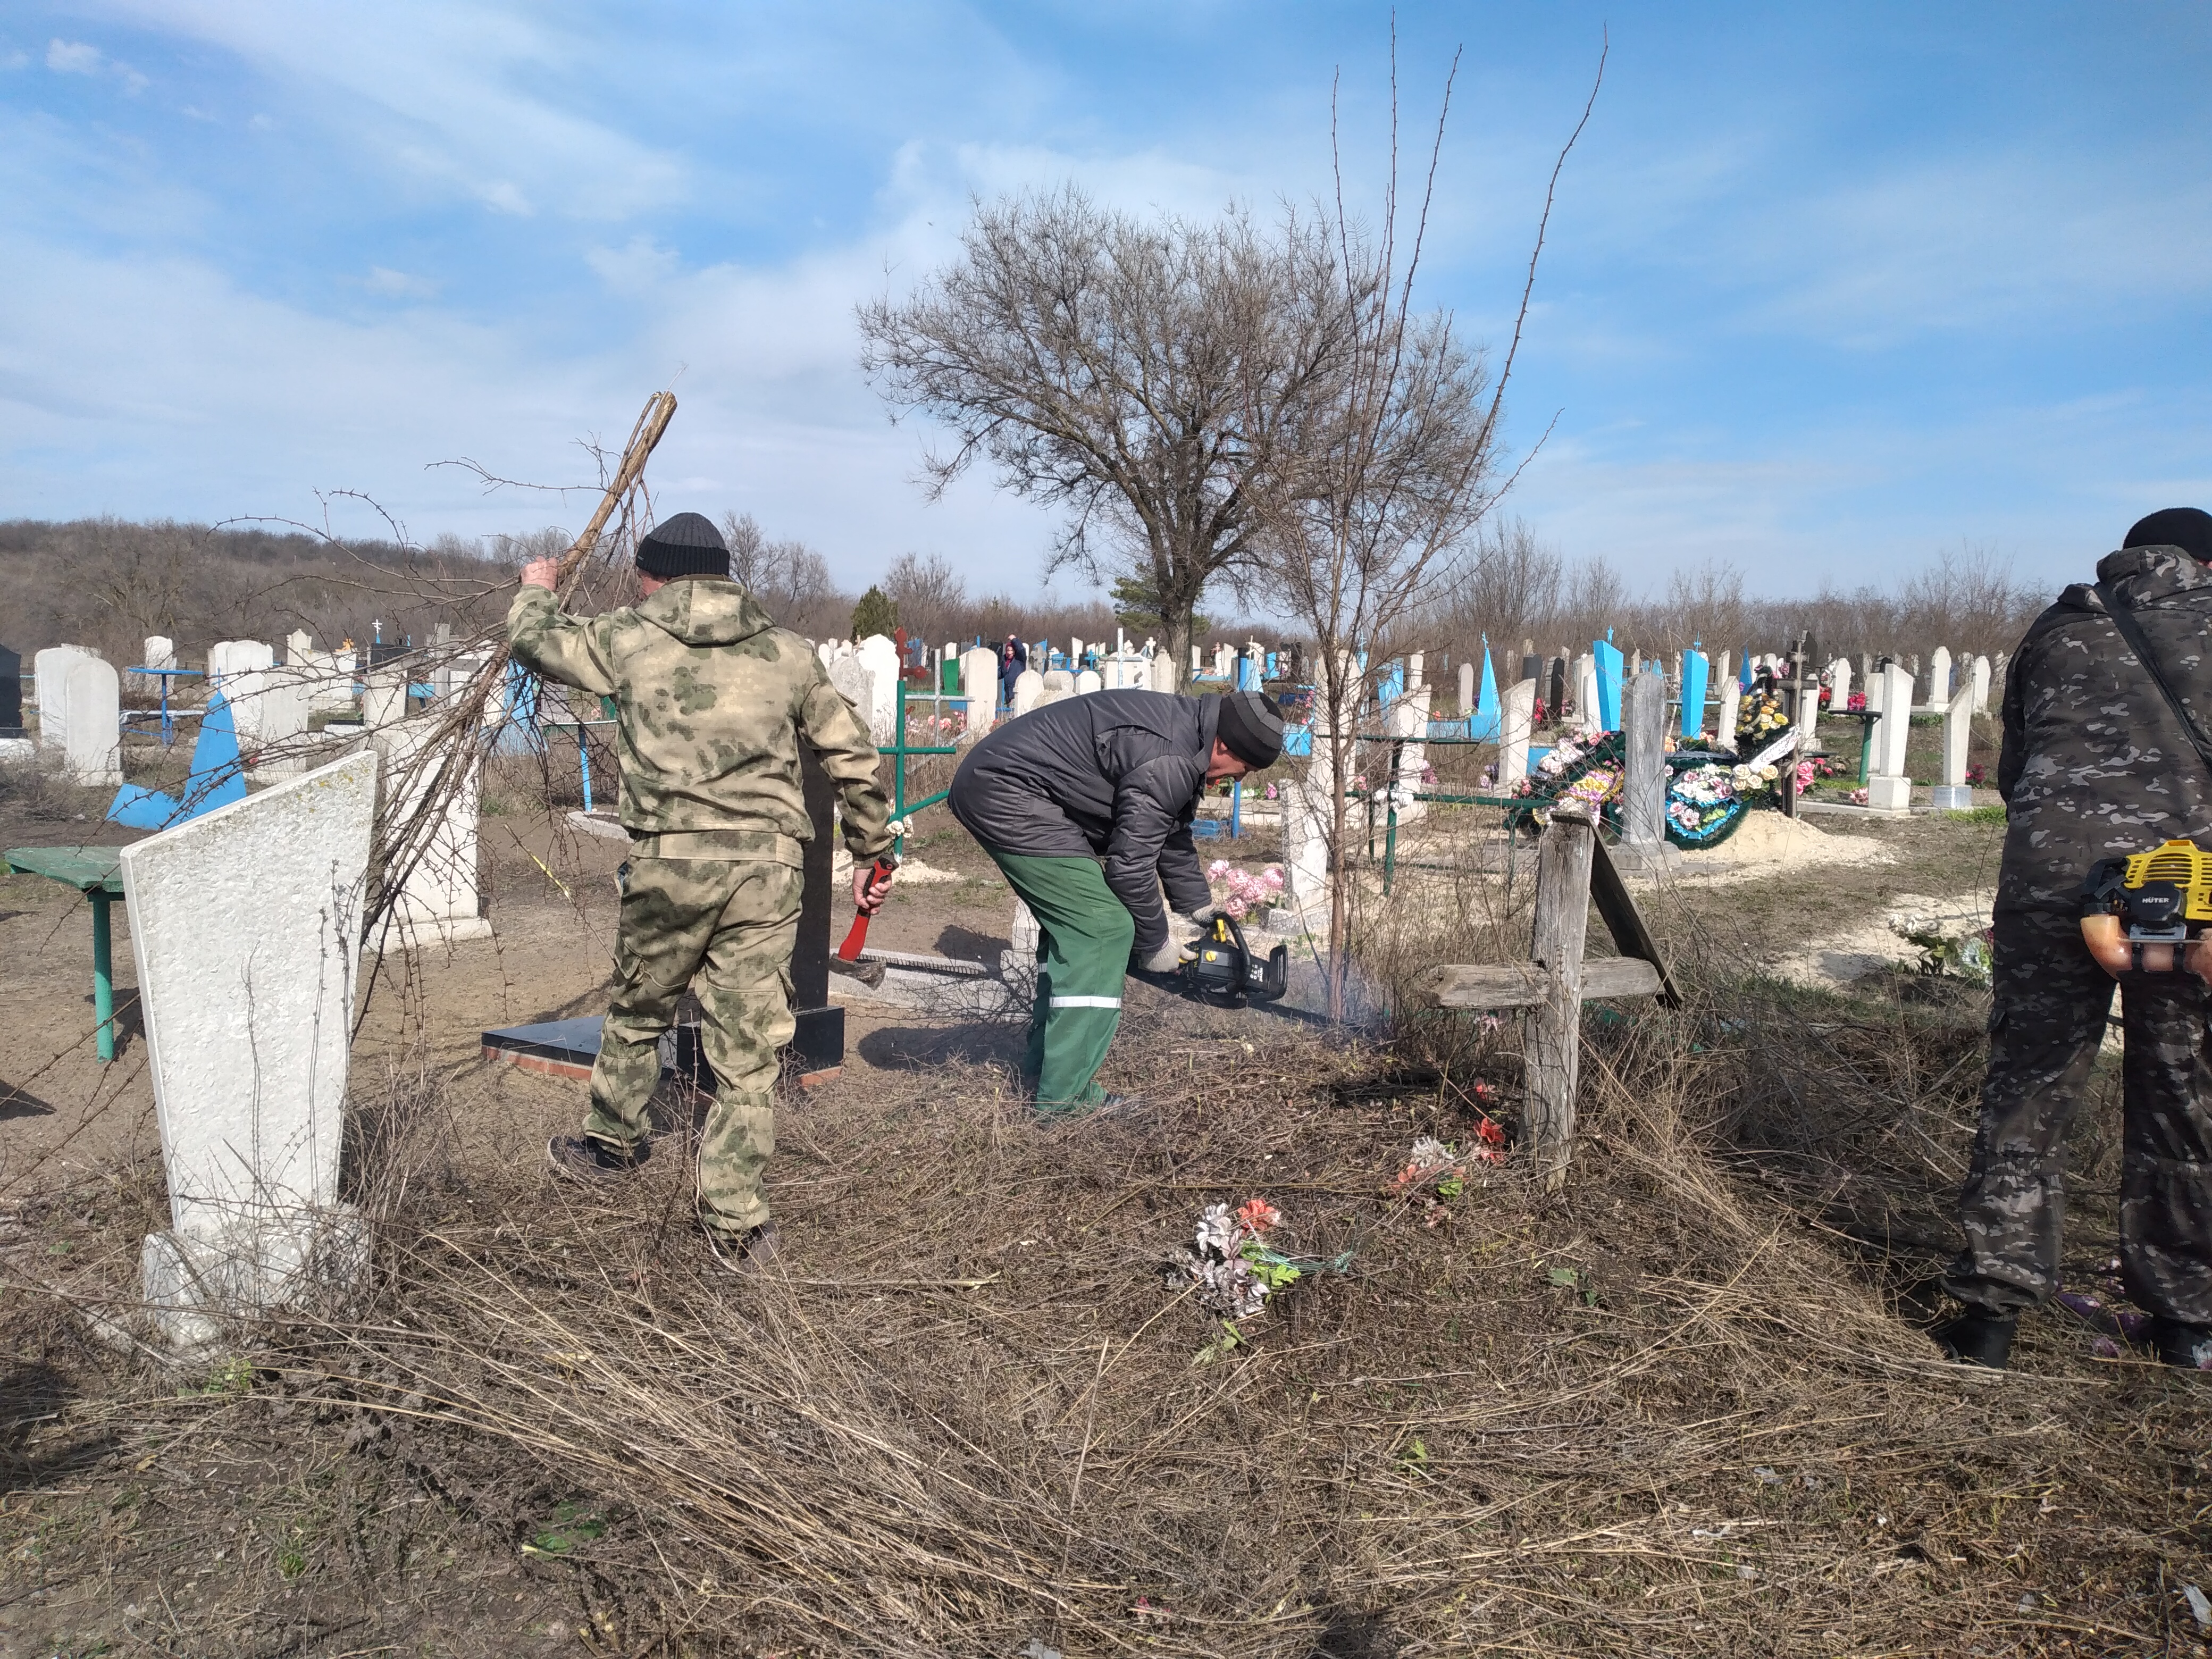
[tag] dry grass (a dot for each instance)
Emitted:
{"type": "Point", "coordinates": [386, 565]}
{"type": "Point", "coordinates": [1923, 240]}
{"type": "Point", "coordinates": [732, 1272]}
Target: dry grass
{"type": "Point", "coordinates": [966, 1414]}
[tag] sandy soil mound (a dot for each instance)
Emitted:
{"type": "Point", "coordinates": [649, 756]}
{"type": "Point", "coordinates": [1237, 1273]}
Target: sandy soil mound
{"type": "Point", "coordinates": [1766, 843]}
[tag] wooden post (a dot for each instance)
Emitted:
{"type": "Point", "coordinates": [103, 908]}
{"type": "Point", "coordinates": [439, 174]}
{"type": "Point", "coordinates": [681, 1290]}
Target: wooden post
{"type": "Point", "coordinates": [1554, 1040]}
{"type": "Point", "coordinates": [1643, 790]}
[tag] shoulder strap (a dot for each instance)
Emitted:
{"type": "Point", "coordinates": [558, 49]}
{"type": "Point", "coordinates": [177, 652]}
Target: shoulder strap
{"type": "Point", "coordinates": [2131, 631]}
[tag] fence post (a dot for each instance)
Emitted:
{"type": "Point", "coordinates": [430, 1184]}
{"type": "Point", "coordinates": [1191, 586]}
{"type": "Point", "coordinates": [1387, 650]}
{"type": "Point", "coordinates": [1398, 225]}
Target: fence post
{"type": "Point", "coordinates": [1554, 1041]}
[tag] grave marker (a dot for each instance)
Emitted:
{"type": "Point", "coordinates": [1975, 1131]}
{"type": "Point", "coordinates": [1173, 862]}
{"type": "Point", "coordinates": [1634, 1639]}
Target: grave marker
{"type": "Point", "coordinates": [1517, 723]}
{"type": "Point", "coordinates": [246, 926]}
{"type": "Point", "coordinates": [1954, 793]}
{"type": "Point", "coordinates": [11, 693]}
{"type": "Point", "coordinates": [435, 864]}
{"type": "Point", "coordinates": [1889, 788]}
{"type": "Point", "coordinates": [48, 669]}
{"type": "Point", "coordinates": [1028, 687]}
{"type": "Point", "coordinates": [92, 721]}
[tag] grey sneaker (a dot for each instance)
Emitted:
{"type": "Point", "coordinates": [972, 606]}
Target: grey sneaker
{"type": "Point", "coordinates": [744, 1253]}
{"type": "Point", "coordinates": [587, 1158]}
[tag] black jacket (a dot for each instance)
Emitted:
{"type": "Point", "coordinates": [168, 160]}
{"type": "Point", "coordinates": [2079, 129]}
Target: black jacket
{"type": "Point", "coordinates": [2094, 764]}
{"type": "Point", "coordinates": [1114, 775]}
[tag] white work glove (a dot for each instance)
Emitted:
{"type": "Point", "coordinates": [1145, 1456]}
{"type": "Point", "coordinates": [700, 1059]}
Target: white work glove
{"type": "Point", "coordinates": [1165, 960]}
{"type": "Point", "coordinates": [1204, 913]}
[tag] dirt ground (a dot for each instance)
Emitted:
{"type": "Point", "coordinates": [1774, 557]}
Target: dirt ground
{"type": "Point", "coordinates": [268, 1506]}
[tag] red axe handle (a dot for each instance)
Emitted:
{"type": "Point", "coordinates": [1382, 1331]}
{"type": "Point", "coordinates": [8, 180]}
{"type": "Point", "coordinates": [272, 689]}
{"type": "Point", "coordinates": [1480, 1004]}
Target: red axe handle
{"type": "Point", "coordinates": [857, 940]}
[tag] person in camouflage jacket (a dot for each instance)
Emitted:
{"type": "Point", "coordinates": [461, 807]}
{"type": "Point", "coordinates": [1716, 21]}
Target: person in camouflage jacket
{"type": "Point", "coordinates": [712, 702]}
{"type": "Point", "coordinates": [2095, 764]}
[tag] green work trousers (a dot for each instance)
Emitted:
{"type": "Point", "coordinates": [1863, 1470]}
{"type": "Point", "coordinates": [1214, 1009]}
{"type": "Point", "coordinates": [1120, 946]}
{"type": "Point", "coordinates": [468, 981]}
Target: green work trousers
{"type": "Point", "coordinates": [1084, 934]}
{"type": "Point", "coordinates": [728, 928]}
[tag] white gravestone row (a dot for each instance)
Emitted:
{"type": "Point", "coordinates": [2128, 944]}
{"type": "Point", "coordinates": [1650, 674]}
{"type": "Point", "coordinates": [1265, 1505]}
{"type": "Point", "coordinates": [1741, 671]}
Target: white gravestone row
{"type": "Point", "coordinates": [246, 926]}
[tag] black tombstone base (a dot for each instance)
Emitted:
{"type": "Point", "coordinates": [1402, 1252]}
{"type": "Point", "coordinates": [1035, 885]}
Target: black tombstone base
{"type": "Point", "coordinates": [817, 1047]}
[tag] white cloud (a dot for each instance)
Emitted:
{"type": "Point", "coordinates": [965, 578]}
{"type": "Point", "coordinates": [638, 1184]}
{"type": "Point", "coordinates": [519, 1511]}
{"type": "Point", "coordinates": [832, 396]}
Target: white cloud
{"type": "Point", "coordinates": [73, 58]}
{"type": "Point", "coordinates": [76, 58]}
{"type": "Point", "coordinates": [482, 99]}
{"type": "Point", "coordinates": [397, 285]}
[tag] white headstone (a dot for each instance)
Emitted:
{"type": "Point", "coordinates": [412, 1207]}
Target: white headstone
{"type": "Point", "coordinates": [383, 697]}
{"type": "Point", "coordinates": [1954, 792]}
{"type": "Point", "coordinates": [1087, 681]}
{"type": "Point", "coordinates": [1939, 676]}
{"type": "Point", "coordinates": [1160, 674]}
{"type": "Point", "coordinates": [1029, 687]}
{"type": "Point", "coordinates": [49, 668]}
{"type": "Point", "coordinates": [433, 848]}
{"type": "Point", "coordinates": [1839, 684]}
{"type": "Point", "coordinates": [1408, 719]}
{"type": "Point", "coordinates": [1193, 662]}
{"type": "Point", "coordinates": [1517, 722]}
{"type": "Point", "coordinates": [246, 926]}
{"type": "Point", "coordinates": [979, 684]}
{"type": "Point", "coordinates": [1058, 685]}
{"type": "Point", "coordinates": [857, 686]}
{"type": "Point", "coordinates": [1586, 709]}
{"type": "Point", "coordinates": [1731, 702]}
{"type": "Point", "coordinates": [92, 721]}
{"type": "Point", "coordinates": [1877, 686]}
{"type": "Point", "coordinates": [1888, 787]}
{"type": "Point", "coordinates": [269, 707]}
{"type": "Point", "coordinates": [1981, 685]}
{"type": "Point", "coordinates": [826, 651]}
{"type": "Point", "coordinates": [228, 657]}
{"type": "Point", "coordinates": [1466, 689]}
{"type": "Point", "coordinates": [881, 659]}
{"type": "Point", "coordinates": [160, 652]}
{"type": "Point", "coordinates": [297, 644]}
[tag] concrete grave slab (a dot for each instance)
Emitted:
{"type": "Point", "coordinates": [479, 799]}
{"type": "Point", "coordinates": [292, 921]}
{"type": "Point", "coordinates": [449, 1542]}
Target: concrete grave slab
{"type": "Point", "coordinates": [92, 721]}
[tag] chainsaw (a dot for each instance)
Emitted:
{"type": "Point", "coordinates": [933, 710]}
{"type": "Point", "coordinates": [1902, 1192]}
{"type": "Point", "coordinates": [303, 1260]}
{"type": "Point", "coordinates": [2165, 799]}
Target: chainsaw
{"type": "Point", "coordinates": [1224, 972]}
{"type": "Point", "coordinates": [2145, 913]}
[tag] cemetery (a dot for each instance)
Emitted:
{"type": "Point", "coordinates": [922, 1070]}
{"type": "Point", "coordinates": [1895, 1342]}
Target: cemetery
{"type": "Point", "coordinates": [1573, 1260]}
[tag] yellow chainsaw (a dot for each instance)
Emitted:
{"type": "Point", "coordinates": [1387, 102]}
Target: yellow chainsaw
{"type": "Point", "coordinates": [2146, 912]}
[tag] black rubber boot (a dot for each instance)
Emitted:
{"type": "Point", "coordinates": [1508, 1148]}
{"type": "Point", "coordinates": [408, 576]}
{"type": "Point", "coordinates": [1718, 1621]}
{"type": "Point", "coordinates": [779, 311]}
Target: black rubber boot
{"type": "Point", "coordinates": [2189, 1346]}
{"type": "Point", "coordinates": [1978, 1337]}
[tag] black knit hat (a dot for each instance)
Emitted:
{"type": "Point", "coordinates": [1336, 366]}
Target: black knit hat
{"type": "Point", "coordinates": [684, 545]}
{"type": "Point", "coordinates": [2189, 528]}
{"type": "Point", "coordinates": [1252, 727]}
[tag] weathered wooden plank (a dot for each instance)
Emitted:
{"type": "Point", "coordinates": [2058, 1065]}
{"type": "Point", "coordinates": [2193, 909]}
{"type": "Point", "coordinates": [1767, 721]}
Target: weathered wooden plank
{"type": "Point", "coordinates": [1626, 922]}
{"type": "Point", "coordinates": [1552, 1045]}
{"type": "Point", "coordinates": [1523, 984]}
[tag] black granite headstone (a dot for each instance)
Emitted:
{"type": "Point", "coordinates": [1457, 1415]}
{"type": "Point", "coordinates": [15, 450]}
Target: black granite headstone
{"type": "Point", "coordinates": [1556, 679]}
{"type": "Point", "coordinates": [11, 693]}
{"type": "Point", "coordinates": [1532, 668]}
{"type": "Point", "coordinates": [818, 1045]}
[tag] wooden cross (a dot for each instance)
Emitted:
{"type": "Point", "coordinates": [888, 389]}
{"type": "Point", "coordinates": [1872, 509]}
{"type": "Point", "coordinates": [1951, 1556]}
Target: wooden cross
{"type": "Point", "coordinates": [1572, 868]}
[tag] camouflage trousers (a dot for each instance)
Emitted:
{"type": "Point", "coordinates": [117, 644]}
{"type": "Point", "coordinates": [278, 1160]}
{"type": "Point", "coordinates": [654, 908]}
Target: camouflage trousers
{"type": "Point", "coordinates": [2051, 1001]}
{"type": "Point", "coordinates": [725, 930]}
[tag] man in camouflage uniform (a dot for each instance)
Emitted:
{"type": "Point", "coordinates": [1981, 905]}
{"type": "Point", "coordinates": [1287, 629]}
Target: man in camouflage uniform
{"type": "Point", "coordinates": [712, 702]}
{"type": "Point", "coordinates": [2095, 764]}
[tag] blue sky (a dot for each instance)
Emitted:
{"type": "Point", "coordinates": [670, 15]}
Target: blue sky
{"type": "Point", "coordinates": [1828, 289]}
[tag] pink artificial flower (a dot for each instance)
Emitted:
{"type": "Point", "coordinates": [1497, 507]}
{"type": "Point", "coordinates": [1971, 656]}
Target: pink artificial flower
{"type": "Point", "coordinates": [1218, 870]}
{"type": "Point", "coordinates": [1257, 1215]}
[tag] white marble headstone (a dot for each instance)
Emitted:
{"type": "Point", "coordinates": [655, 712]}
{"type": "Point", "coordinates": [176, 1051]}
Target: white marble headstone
{"type": "Point", "coordinates": [92, 722]}
{"type": "Point", "coordinates": [881, 659]}
{"type": "Point", "coordinates": [1087, 681]}
{"type": "Point", "coordinates": [160, 652]}
{"type": "Point", "coordinates": [856, 686]}
{"type": "Point", "coordinates": [979, 684]}
{"type": "Point", "coordinates": [246, 926]}
{"type": "Point", "coordinates": [1981, 685]}
{"type": "Point", "coordinates": [435, 857]}
{"type": "Point", "coordinates": [383, 696]}
{"type": "Point", "coordinates": [49, 668]}
{"type": "Point", "coordinates": [1029, 687]}
{"type": "Point", "coordinates": [1516, 722]}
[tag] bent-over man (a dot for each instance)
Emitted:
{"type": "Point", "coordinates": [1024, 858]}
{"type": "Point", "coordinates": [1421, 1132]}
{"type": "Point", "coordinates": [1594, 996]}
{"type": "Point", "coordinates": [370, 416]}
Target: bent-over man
{"type": "Point", "coordinates": [1085, 806]}
{"type": "Point", "coordinates": [712, 702]}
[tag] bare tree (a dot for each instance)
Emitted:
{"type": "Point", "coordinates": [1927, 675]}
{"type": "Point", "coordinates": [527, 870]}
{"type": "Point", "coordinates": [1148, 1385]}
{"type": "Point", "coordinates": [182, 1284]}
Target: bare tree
{"type": "Point", "coordinates": [790, 578]}
{"type": "Point", "coordinates": [930, 596]}
{"type": "Point", "coordinates": [1381, 472]}
{"type": "Point", "coordinates": [1133, 373]}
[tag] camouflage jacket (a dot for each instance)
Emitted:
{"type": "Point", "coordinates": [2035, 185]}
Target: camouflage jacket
{"type": "Point", "coordinates": [711, 702]}
{"type": "Point", "coordinates": [2094, 764]}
